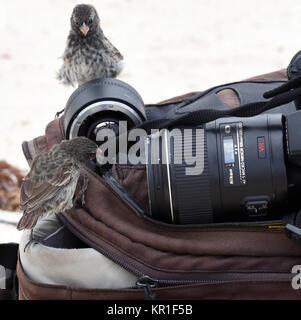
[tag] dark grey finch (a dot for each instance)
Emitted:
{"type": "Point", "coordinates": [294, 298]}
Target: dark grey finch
{"type": "Point", "coordinates": [50, 185]}
{"type": "Point", "coordinates": [89, 54]}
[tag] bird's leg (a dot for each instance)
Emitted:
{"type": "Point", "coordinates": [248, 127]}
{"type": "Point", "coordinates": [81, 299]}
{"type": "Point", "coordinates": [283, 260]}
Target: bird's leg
{"type": "Point", "coordinates": [59, 113]}
{"type": "Point", "coordinates": [30, 241]}
{"type": "Point", "coordinates": [84, 188]}
{"type": "Point", "coordinates": [82, 191]}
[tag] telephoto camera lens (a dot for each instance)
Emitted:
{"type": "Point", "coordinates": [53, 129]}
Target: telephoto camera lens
{"type": "Point", "coordinates": [245, 169]}
{"type": "Point", "coordinates": [102, 104]}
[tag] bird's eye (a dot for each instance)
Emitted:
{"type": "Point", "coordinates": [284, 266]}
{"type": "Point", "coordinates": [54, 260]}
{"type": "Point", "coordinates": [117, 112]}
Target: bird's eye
{"type": "Point", "coordinates": [76, 22]}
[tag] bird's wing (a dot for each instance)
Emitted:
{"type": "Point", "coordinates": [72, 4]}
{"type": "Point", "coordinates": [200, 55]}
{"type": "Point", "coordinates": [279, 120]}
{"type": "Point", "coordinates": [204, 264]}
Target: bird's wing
{"type": "Point", "coordinates": [38, 188]}
{"type": "Point", "coordinates": [112, 50]}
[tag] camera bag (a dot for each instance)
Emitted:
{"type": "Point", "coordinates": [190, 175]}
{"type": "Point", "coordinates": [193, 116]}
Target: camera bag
{"type": "Point", "coordinates": [224, 261]}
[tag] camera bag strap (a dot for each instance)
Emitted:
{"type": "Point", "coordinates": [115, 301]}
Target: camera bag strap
{"type": "Point", "coordinates": [286, 93]}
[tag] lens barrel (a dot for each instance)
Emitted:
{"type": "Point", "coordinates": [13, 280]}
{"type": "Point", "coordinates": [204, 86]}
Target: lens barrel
{"type": "Point", "coordinates": [242, 177]}
{"type": "Point", "coordinates": [176, 197]}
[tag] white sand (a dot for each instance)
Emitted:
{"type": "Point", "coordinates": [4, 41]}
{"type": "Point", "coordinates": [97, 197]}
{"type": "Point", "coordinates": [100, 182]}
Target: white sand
{"type": "Point", "coordinates": [171, 47]}
{"type": "Point", "coordinates": [8, 230]}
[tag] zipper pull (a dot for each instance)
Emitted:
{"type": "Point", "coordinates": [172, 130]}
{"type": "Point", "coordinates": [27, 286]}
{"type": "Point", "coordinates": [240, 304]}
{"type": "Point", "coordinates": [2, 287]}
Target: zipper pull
{"type": "Point", "coordinates": [147, 284]}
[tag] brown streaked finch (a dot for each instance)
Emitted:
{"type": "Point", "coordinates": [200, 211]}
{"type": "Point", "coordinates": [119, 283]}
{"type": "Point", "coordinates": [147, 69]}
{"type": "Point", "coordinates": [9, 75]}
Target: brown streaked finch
{"type": "Point", "coordinates": [50, 185]}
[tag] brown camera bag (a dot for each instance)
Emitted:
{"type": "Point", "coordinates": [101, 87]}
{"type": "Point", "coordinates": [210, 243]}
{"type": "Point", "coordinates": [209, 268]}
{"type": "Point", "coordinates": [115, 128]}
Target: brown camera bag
{"type": "Point", "coordinates": [228, 262]}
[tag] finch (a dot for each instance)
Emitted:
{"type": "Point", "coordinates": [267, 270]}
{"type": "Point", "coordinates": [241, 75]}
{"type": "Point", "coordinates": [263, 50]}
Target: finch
{"type": "Point", "coordinates": [50, 185]}
{"type": "Point", "coordinates": [89, 54]}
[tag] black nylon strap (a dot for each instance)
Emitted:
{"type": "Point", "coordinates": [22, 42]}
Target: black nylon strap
{"type": "Point", "coordinates": [204, 116]}
{"type": "Point", "coordinates": [292, 84]}
{"type": "Point", "coordinates": [286, 93]}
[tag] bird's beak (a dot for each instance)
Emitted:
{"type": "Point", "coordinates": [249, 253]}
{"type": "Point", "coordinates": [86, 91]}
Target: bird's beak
{"type": "Point", "coordinates": [84, 29]}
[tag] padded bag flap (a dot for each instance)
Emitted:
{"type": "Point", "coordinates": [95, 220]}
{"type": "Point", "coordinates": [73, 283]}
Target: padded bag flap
{"type": "Point", "coordinates": [267, 290]}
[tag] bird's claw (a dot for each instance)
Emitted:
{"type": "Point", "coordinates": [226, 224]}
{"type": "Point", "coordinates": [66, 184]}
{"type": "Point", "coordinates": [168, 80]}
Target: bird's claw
{"type": "Point", "coordinates": [81, 193]}
{"type": "Point", "coordinates": [84, 188]}
{"type": "Point", "coordinates": [59, 113]}
{"type": "Point", "coordinates": [30, 241]}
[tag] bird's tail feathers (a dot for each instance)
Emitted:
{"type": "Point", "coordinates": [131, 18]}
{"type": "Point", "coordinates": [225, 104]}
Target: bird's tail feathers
{"type": "Point", "coordinates": [28, 221]}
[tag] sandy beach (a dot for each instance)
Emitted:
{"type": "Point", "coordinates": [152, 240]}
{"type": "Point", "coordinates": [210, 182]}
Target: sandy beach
{"type": "Point", "coordinates": [170, 47]}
